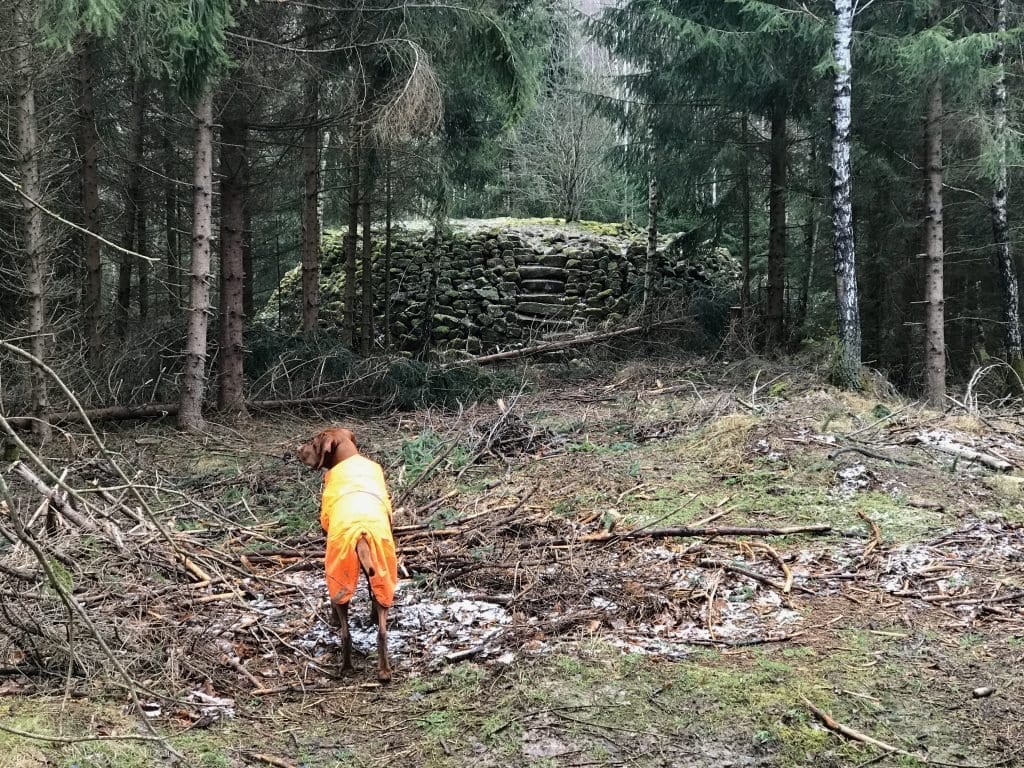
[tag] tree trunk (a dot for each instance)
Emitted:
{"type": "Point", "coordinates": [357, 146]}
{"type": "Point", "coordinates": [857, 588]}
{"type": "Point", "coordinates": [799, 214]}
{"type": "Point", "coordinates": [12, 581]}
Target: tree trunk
{"type": "Point", "coordinates": [846, 369]}
{"type": "Point", "coordinates": [233, 192]}
{"type": "Point", "coordinates": [745, 189]}
{"type": "Point", "coordinates": [173, 263]}
{"type": "Point", "coordinates": [190, 413]}
{"type": "Point", "coordinates": [248, 297]}
{"type": "Point", "coordinates": [133, 205]}
{"type": "Point", "coordinates": [651, 260]}
{"type": "Point", "coordinates": [776, 288]}
{"type": "Point", "coordinates": [906, 345]}
{"type": "Point", "coordinates": [277, 269]}
{"type": "Point", "coordinates": [88, 143]}
{"type": "Point", "coordinates": [880, 277]}
{"type": "Point", "coordinates": [142, 248]}
{"type": "Point", "coordinates": [1000, 224]}
{"type": "Point", "coordinates": [975, 326]}
{"type": "Point", "coordinates": [387, 249]}
{"type": "Point", "coordinates": [310, 210]}
{"type": "Point", "coordinates": [348, 331]}
{"type": "Point", "coordinates": [366, 330]}
{"type": "Point", "coordinates": [810, 248]}
{"type": "Point", "coordinates": [935, 342]}
{"type": "Point", "coordinates": [36, 265]}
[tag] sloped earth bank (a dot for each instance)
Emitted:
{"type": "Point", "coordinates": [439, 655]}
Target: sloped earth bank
{"type": "Point", "coordinates": [549, 618]}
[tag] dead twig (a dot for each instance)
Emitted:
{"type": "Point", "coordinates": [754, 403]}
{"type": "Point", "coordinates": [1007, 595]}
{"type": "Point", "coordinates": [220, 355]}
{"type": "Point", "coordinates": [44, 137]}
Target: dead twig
{"type": "Point", "coordinates": [863, 738]}
{"type": "Point", "coordinates": [876, 536]}
{"type": "Point", "coordinates": [945, 444]}
{"type": "Point", "coordinates": [74, 607]}
{"type": "Point", "coordinates": [851, 733]}
{"type": "Point", "coordinates": [262, 757]}
{"type": "Point", "coordinates": [638, 531]}
{"type": "Point", "coordinates": [683, 531]}
{"type": "Point", "coordinates": [53, 497]}
{"type": "Point", "coordinates": [429, 470]}
{"type": "Point", "coordinates": [744, 642]}
{"type": "Point", "coordinates": [555, 346]}
{"type": "Point", "coordinates": [79, 739]}
{"type": "Point", "coordinates": [715, 580]}
{"type": "Point", "coordinates": [872, 455]}
{"type": "Point", "coordinates": [787, 572]}
{"type": "Point", "coordinates": [707, 562]}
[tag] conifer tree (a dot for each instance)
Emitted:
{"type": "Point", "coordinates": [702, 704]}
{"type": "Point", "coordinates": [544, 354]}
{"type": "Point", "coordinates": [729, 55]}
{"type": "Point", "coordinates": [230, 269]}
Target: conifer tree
{"type": "Point", "coordinates": [36, 259]}
{"type": "Point", "coordinates": [708, 62]}
{"type": "Point", "coordinates": [199, 53]}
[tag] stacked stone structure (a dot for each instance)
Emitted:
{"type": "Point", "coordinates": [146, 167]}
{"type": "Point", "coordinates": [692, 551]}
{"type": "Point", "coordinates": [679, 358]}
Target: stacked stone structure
{"type": "Point", "coordinates": [479, 288]}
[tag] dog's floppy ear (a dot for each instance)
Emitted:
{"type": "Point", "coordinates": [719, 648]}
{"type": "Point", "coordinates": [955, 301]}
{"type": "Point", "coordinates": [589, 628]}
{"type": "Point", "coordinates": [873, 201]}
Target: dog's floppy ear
{"type": "Point", "coordinates": [351, 437]}
{"type": "Point", "coordinates": [324, 444]}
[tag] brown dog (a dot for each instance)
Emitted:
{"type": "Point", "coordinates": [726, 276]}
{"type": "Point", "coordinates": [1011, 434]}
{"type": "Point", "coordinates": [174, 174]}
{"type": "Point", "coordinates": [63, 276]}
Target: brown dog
{"type": "Point", "coordinates": [355, 512]}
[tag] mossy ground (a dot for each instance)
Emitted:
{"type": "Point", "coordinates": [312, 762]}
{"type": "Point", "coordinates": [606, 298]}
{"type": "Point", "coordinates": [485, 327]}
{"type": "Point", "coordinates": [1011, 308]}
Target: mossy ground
{"type": "Point", "coordinates": [901, 671]}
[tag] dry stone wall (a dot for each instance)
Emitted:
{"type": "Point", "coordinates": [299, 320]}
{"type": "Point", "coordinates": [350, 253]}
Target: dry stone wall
{"type": "Point", "coordinates": [488, 286]}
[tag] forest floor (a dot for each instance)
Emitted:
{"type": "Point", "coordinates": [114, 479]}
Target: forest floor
{"type": "Point", "coordinates": [532, 631]}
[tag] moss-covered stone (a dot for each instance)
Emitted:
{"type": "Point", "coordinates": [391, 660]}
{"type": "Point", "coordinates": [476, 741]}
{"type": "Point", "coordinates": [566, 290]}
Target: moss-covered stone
{"type": "Point", "coordinates": [543, 267]}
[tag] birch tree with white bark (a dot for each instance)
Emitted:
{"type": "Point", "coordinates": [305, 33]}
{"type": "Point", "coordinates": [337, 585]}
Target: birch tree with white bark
{"type": "Point", "coordinates": [848, 355]}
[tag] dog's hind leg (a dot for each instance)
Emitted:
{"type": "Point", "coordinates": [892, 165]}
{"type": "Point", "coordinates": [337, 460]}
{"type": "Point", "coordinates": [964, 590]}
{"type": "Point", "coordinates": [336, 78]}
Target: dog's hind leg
{"type": "Point", "coordinates": [373, 617]}
{"type": "Point", "coordinates": [380, 613]}
{"type": "Point", "coordinates": [341, 612]}
{"type": "Point", "coordinates": [383, 667]}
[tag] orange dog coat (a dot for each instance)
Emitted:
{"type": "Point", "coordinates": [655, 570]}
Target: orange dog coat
{"type": "Point", "coordinates": [356, 503]}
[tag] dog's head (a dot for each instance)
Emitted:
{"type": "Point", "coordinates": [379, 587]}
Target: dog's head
{"type": "Point", "coordinates": [330, 447]}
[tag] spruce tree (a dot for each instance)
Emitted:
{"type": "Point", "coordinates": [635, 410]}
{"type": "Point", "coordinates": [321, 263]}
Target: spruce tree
{"type": "Point", "coordinates": [700, 67]}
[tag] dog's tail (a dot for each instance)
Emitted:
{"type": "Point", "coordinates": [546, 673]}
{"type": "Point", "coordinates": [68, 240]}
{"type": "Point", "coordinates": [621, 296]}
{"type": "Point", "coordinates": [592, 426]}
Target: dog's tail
{"type": "Point", "coordinates": [365, 558]}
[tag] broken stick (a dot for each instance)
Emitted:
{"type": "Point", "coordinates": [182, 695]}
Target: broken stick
{"type": "Point", "coordinates": [850, 733]}
{"type": "Point", "coordinates": [56, 500]}
{"type": "Point", "coordinates": [767, 581]}
{"type": "Point", "coordinates": [577, 340]}
{"type": "Point", "coordinates": [876, 536]}
{"type": "Point", "coordinates": [663, 533]}
{"type": "Point", "coordinates": [945, 444]}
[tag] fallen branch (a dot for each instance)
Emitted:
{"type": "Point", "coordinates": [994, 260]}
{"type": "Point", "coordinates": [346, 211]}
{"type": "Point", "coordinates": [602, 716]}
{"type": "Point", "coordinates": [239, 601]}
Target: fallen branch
{"type": "Point", "coordinates": [74, 607]}
{"type": "Point", "coordinates": [57, 500]}
{"type": "Point", "coordinates": [947, 445]}
{"type": "Point", "coordinates": [876, 536]}
{"type": "Point", "coordinates": [79, 739]}
{"type": "Point", "coordinates": [650, 526]}
{"type": "Point", "coordinates": [665, 533]}
{"type": "Point", "coordinates": [427, 472]}
{"type": "Point", "coordinates": [16, 573]}
{"type": "Point", "coordinates": [863, 738]}
{"type": "Point", "coordinates": [277, 762]}
{"type": "Point", "coordinates": [850, 733]}
{"type": "Point", "coordinates": [162, 410]}
{"type": "Point", "coordinates": [468, 653]}
{"type": "Point", "coordinates": [745, 642]}
{"type": "Point", "coordinates": [560, 344]}
{"type": "Point", "coordinates": [787, 572]}
{"type": "Point", "coordinates": [725, 565]}
{"type": "Point", "coordinates": [872, 455]}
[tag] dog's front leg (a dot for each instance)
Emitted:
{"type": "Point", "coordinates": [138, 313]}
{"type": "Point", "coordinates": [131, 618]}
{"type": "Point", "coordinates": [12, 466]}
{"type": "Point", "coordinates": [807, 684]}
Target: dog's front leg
{"type": "Point", "coordinates": [341, 612]}
{"type": "Point", "coordinates": [383, 667]}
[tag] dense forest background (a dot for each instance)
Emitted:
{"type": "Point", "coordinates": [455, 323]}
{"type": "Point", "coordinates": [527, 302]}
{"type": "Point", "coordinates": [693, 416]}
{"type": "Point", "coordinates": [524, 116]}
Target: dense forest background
{"type": "Point", "coordinates": [166, 162]}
